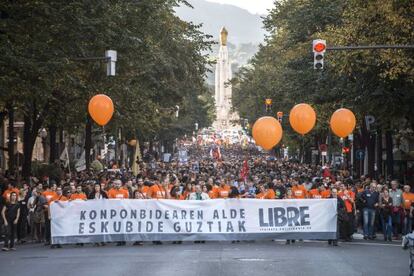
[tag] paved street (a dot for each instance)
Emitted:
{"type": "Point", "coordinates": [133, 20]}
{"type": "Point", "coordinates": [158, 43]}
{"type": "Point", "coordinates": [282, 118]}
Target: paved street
{"type": "Point", "coordinates": [213, 258]}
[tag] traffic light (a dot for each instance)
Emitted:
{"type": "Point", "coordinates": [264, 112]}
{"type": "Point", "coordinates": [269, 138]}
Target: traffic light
{"type": "Point", "coordinates": [279, 116]}
{"type": "Point", "coordinates": [345, 150]}
{"type": "Point", "coordinates": [319, 48]}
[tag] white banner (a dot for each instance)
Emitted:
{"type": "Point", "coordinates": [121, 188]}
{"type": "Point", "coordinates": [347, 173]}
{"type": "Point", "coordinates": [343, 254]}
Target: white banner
{"type": "Point", "coordinates": [172, 220]}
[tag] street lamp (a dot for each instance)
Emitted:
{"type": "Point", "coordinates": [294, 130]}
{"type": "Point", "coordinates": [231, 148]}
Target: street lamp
{"type": "Point", "coordinates": [177, 110]}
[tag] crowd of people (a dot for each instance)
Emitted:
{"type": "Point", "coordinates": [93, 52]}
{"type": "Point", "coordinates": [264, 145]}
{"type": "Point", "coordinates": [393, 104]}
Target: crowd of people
{"type": "Point", "coordinates": [373, 205]}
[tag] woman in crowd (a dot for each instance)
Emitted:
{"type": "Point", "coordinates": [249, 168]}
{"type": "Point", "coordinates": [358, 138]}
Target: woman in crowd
{"type": "Point", "coordinates": [10, 215]}
{"type": "Point", "coordinates": [24, 211]}
{"type": "Point", "coordinates": [385, 204]}
{"type": "Point", "coordinates": [98, 193]}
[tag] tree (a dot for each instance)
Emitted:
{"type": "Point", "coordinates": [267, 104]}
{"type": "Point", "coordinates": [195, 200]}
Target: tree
{"type": "Point", "coordinates": [160, 64]}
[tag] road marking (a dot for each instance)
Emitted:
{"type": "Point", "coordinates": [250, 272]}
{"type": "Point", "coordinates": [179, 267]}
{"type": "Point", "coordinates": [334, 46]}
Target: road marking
{"type": "Point", "coordinates": [377, 244]}
{"type": "Point", "coordinates": [350, 243]}
{"type": "Point", "coordinates": [252, 260]}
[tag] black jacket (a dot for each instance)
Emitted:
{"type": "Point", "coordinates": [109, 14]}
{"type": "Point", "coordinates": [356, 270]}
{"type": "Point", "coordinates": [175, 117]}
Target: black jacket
{"type": "Point", "coordinates": [92, 195]}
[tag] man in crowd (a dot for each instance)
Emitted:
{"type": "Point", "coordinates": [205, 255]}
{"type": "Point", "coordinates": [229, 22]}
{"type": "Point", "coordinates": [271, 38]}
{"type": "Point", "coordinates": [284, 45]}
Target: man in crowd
{"type": "Point", "coordinates": [370, 200]}
{"type": "Point", "coordinates": [396, 195]}
{"type": "Point", "coordinates": [118, 192]}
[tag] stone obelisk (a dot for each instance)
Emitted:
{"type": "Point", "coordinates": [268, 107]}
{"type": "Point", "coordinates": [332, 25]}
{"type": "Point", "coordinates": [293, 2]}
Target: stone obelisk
{"type": "Point", "coordinates": [225, 118]}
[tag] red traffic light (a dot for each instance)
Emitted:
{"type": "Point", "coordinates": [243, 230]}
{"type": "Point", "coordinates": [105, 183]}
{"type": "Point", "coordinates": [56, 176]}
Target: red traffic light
{"type": "Point", "coordinates": [345, 150]}
{"type": "Point", "coordinates": [319, 47]}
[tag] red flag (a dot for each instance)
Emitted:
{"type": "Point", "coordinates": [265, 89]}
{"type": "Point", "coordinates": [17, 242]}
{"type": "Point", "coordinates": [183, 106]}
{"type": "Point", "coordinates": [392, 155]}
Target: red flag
{"type": "Point", "coordinates": [245, 170]}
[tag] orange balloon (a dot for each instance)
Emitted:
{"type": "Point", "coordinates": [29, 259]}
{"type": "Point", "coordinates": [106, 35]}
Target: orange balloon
{"type": "Point", "coordinates": [302, 118]}
{"type": "Point", "coordinates": [343, 122]}
{"type": "Point", "coordinates": [267, 132]}
{"type": "Point", "coordinates": [101, 109]}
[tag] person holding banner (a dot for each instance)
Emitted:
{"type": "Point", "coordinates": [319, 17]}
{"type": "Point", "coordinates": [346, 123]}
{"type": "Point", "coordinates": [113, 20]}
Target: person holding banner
{"type": "Point", "coordinates": [198, 194]}
{"type": "Point", "coordinates": [299, 191]}
{"type": "Point", "coordinates": [59, 197]}
{"type": "Point", "coordinates": [349, 199]}
{"type": "Point", "coordinates": [223, 190]}
{"type": "Point", "coordinates": [98, 193]}
{"type": "Point", "coordinates": [341, 211]}
{"type": "Point", "coordinates": [118, 192]}
{"type": "Point", "coordinates": [79, 194]}
{"type": "Point", "coordinates": [138, 194]}
{"type": "Point", "coordinates": [158, 191]}
{"type": "Point", "coordinates": [265, 193]}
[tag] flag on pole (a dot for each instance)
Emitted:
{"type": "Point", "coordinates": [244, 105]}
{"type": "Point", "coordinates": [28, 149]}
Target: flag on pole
{"type": "Point", "coordinates": [81, 163]}
{"type": "Point", "coordinates": [244, 173]}
{"type": "Point", "coordinates": [137, 158]}
{"type": "Point", "coordinates": [215, 153]}
{"type": "Point", "coordinates": [64, 158]}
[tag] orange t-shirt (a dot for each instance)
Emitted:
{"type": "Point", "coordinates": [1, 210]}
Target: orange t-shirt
{"type": "Point", "coordinates": [49, 195]}
{"type": "Point", "coordinates": [120, 194]}
{"type": "Point", "coordinates": [157, 192]}
{"type": "Point", "coordinates": [326, 194]}
{"type": "Point", "coordinates": [77, 196]}
{"type": "Point", "coordinates": [299, 191]}
{"type": "Point", "coordinates": [261, 195]}
{"type": "Point", "coordinates": [223, 192]}
{"type": "Point", "coordinates": [6, 194]}
{"type": "Point", "coordinates": [314, 193]}
{"type": "Point", "coordinates": [212, 194]}
{"type": "Point", "coordinates": [408, 198]}
{"type": "Point", "coordinates": [270, 194]}
{"type": "Point", "coordinates": [145, 190]}
{"type": "Point", "coordinates": [348, 205]}
{"type": "Point", "coordinates": [60, 198]}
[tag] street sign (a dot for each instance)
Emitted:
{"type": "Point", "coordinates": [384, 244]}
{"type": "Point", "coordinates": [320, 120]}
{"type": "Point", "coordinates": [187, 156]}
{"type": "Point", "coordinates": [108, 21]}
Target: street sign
{"type": "Point", "coordinates": [360, 154]}
{"type": "Point", "coordinates": [323, 147]}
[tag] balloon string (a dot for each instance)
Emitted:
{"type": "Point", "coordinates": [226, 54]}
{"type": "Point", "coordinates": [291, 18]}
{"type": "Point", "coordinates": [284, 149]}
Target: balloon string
{"type": "Point", "coordinates": [303, 149]}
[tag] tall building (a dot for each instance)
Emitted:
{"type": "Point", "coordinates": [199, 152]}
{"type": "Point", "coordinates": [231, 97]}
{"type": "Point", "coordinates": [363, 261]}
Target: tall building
{"type": "Point", "coordinates": [225, 118]}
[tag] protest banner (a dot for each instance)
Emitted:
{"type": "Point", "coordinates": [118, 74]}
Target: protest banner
{"type": "Point", "coordinates": [172, 220]}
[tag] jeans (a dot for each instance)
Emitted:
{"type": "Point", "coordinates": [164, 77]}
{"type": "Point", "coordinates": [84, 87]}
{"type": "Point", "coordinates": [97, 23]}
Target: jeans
{"type": "Point", "coordinates": [369, 221]}
{"type": "Point", "coordinates": [396, 220]}
{"type": "Point", "coordinates": [407, 224]}
{"type": "Point", "coordinates": [387, 226]}
{"type": "Point", "coordinates": [22, 228]}
{"type": "Point", "coordinates": [11, 234]}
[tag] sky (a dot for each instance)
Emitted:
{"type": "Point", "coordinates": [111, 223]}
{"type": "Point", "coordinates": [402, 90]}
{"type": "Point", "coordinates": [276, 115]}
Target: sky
{"type": "Point", "coordinates": [253, 6]}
